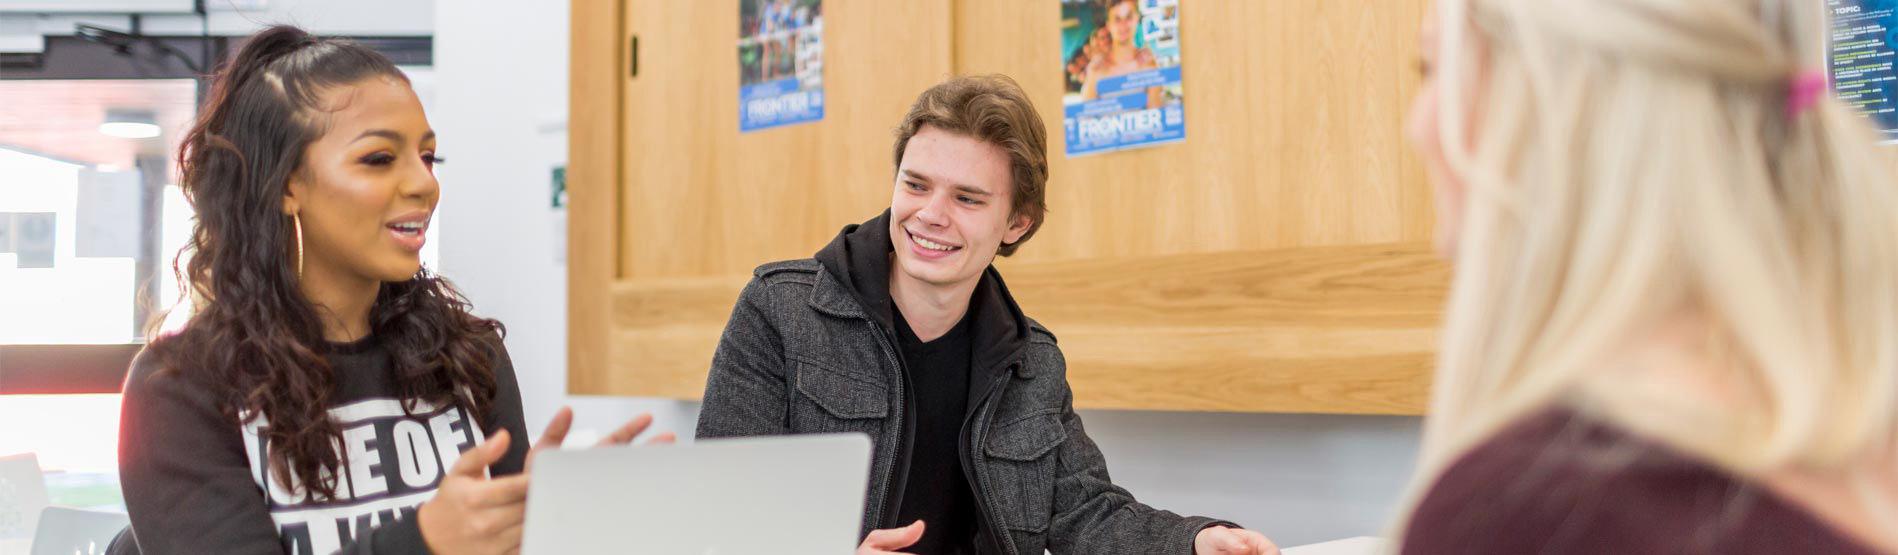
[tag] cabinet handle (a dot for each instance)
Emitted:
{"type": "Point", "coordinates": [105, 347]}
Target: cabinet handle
{"type": "Point", "coordinates": [633, 57]}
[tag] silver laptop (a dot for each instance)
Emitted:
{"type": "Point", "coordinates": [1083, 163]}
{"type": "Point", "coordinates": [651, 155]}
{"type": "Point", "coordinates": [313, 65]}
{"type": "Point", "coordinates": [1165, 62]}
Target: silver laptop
{"type": "Point", "coordinates": [22, 497]}
{"type": "Point", "coordinates": [782, 495]}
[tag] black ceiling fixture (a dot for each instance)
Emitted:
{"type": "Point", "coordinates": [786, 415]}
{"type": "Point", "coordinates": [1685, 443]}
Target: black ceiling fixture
{"type": "Point", "coordinates": [122, 42]}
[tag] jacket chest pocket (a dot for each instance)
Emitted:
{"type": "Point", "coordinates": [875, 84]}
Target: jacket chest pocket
{"type": "Point", "coordinates": [1022, 469]}
{"type": "Point", "coordinates": [833, 401]}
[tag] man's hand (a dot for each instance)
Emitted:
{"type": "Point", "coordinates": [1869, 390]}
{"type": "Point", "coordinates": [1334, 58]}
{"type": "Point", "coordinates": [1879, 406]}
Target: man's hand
{"type": "Point", "coordinates": [1220, 540]}
{"type": "Point", "coordinates": [887, 542]}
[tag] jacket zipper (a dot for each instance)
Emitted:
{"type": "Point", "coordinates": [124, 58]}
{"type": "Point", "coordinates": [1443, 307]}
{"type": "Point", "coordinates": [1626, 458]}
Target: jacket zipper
{"type": "Point", "coordinates": [899, 465]}
{"type": "Point", "coordinates": [993, 528]}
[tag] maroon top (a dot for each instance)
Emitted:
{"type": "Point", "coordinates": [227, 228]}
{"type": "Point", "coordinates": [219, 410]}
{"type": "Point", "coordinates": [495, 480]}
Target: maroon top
{"type": "Point", "coordinates": [1557, 483]}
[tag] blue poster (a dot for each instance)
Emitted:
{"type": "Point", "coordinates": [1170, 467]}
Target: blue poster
{"type": "Point", "coordinates": [1859, 59]}
{"type": "Point", "coordinates": [1121, 66]}
{"type": "Point", "coordinates": [780, 63]}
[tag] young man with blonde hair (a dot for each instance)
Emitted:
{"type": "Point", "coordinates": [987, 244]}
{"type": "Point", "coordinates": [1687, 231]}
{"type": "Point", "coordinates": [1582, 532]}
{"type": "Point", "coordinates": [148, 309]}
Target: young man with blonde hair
{"type": "Point", "coordinates": [902, 330]}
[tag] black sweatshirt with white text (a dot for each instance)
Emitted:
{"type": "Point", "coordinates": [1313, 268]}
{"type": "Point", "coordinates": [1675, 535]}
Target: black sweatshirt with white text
{"type": "Point", "coordinates": [197, 482]}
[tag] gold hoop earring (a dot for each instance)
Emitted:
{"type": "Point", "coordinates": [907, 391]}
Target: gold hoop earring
{"type": "Point", "coordinates": [297, 222]}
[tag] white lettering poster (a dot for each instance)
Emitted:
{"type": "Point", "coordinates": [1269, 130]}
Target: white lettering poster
{"type": "Point", "coordinates": [1121, 66]}
{"type": "Point", "coordinates": [780, 63]}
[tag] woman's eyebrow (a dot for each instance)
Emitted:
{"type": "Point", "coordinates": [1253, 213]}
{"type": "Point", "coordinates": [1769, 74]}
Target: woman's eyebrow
{"type": "Point", "coordinates": [384, 133]}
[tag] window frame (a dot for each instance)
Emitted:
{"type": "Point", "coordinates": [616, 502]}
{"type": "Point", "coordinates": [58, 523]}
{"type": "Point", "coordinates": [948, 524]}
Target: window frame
{"type": "Point", "coordinates": [101, 368]}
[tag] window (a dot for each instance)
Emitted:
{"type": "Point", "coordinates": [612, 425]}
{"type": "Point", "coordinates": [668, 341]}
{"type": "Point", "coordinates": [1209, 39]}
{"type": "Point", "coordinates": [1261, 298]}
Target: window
{"type": "Point", "coordinates": [90, 224]}
{"type": "Point", "coordinates": [81, 210]}
{"type": "Point", "coordinates": [91, 220]}
{"type": "Point", "coordinates": [90, 217]}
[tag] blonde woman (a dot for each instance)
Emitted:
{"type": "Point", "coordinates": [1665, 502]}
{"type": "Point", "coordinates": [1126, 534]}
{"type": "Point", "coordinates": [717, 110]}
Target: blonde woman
{"type": "Point", "coordinates": [1674, 321]}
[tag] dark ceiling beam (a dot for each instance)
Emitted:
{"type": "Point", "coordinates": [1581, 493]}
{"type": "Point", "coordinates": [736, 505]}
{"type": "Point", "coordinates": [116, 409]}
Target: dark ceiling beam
{"type": "Point", "coordinates": [69, 57]}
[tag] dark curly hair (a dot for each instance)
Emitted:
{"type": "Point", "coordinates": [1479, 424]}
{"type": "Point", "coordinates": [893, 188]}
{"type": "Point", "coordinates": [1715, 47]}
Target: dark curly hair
{"type": "Point", "coordinates": [255, 337]}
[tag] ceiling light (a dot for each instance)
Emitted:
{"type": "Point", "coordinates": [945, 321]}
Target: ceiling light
{"type": "Point", "coordinates": [129, 124]}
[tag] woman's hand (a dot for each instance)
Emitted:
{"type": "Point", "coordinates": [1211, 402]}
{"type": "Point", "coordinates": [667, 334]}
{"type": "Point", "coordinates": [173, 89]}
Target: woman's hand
{"type": "Point", "coordinates": [472, 513]}
{"type": "Point", "coordinates": [557, 428]}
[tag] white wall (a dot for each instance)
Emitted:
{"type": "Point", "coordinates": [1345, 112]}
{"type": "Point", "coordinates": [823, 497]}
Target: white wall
{"type": "Point", "coordinates": [500, 112]}
{"type": "Point", "coordinates": [501, 96]}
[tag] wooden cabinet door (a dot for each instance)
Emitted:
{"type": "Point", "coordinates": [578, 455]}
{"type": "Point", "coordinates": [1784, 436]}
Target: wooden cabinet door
{"type": "Point", "coordinates": [699, 204]}
{"type": "Point", "coordinates": [701, 199]}
{"type": "Point", "coordinates": [1277, 259]}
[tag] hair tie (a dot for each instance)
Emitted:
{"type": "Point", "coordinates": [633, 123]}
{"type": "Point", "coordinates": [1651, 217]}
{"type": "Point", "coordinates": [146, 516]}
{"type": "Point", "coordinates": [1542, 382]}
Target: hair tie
{"type": "Point", "coordinates": [1805, 91]}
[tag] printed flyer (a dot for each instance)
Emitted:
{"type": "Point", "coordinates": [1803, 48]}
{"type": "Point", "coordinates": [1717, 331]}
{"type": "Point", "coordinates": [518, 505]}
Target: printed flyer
{"type": "Point", "coordinates": [780, 63]}
{"type": "Point", "coordinates": [1121, 65]}
{"type": "Point", "coordinates": [1859, 59]}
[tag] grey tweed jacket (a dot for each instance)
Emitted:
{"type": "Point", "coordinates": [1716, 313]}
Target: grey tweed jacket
{"type": "Point", "coordinates": [801, 354]}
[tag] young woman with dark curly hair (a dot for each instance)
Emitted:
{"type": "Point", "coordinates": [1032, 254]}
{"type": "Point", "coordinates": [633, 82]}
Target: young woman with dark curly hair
{"type": "Point", "coordinates": [329, 393]}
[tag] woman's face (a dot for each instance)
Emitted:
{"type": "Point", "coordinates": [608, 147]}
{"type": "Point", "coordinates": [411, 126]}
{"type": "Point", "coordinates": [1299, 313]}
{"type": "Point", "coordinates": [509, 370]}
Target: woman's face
{"type": "Point", "coordinates": [366, 189]}
{"type": "Point", "coordinates": [1424, 130]}
{"type": "Point", "coordinates": [1122, 19]}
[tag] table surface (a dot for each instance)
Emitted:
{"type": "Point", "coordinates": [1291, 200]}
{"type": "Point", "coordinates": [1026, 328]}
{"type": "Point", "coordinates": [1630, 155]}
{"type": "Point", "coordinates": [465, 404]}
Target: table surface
{"type": "Point", "coordinates": [1362, 545]}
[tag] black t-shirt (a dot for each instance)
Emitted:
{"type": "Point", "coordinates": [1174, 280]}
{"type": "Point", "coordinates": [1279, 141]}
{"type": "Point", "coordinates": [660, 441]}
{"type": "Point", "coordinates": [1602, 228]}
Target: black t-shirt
{"type": "Point", "coordinates": [196, 482]}
{"type": "Point", "coordinates": [937, 491]}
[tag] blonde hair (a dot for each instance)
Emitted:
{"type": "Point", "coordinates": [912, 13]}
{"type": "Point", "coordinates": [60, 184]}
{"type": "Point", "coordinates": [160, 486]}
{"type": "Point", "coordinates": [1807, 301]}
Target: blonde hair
{"type": "Point", "coordinates": [1636, 159]}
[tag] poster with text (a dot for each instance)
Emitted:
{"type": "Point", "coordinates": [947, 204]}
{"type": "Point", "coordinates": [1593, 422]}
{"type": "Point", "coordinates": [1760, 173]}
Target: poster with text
{"type": "Point", "coordinates": [1859, 59]}
{"type": "Point", "coordinates": [1121, 65]}
{"type": "Point", "coordinates": [780, 63]}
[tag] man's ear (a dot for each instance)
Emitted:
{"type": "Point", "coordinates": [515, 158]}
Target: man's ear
{"type": "Point", "coordinates": [1017, 228]}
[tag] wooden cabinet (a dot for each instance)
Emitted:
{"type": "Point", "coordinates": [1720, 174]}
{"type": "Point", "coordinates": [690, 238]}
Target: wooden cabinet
{"type": "Point", "coordinates": [1275, 260]}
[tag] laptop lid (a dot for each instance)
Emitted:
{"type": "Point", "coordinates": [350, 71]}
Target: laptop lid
{"type": "Point", "coordinates": [64, 531]}
{"type": "Point", "coordinates": [22, 497]}
{"type": "Point", "coordinates": [783, 495]}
